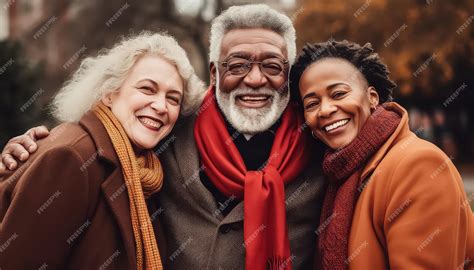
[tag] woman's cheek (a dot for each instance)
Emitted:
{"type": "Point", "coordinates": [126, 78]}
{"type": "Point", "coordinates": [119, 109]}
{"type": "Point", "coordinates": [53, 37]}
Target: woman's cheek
{"type": "Point", "coordinates": [310, 120]}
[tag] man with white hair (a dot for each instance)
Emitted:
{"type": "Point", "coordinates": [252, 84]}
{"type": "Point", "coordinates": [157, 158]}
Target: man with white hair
{"type": "Point", "coordinates": [239, 189]}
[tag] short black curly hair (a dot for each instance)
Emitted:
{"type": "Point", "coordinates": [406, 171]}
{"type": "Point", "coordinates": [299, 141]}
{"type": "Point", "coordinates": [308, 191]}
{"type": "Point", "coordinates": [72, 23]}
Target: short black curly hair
{"type": "Point", "coordinates": [362, 57]}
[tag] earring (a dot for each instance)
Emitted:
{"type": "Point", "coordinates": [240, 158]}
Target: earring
{"type": "Point", "coordinates": [372, 108]}
{"type": "Point", "coordinates": [312, 134]}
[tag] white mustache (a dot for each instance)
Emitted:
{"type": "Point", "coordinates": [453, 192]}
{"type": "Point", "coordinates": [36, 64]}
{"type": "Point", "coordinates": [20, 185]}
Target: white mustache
{"type": "Point", "coordinates": [246, 91]}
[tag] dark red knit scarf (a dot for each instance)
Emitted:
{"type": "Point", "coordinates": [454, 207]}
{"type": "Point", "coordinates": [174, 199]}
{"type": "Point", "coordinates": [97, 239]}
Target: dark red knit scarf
{"type": "Point", "coordinates": [343, 169]}
{"type": "Point", "coordinates": [265, 229]}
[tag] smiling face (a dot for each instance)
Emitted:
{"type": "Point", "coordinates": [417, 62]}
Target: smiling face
{"type": "Point", "coordinates": [254, 101]}
{"type": "Point", "coordinates": [336, 101]}
{"type": "Point", "coordinates": [148, 103]}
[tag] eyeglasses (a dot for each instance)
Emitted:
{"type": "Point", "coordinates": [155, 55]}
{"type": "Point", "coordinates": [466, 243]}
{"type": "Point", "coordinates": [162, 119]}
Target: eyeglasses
{"type": "Point", "coordinates": [240, 67]}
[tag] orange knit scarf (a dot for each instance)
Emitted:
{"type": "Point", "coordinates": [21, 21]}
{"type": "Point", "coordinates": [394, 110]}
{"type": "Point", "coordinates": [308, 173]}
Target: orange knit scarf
{"type": "Point", "coordinates": [143, 177]}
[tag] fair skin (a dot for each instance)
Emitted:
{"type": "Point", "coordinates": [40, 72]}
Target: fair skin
{"type": "Point", "coordinates": [147, 105]}
{"type": "Point", "coordinates": [257, 44]}
{"type": "Point", "coordinates": [337, 101]}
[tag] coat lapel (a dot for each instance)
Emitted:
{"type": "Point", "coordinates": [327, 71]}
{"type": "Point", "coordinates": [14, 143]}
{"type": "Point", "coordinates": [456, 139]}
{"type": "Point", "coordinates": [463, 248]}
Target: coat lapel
{"type": "Point", "coordinates": [189, 165]}
{"type": "Point", "coordinates": [115, 192]}
{"type": "Point", "coordinates": [114, 188]}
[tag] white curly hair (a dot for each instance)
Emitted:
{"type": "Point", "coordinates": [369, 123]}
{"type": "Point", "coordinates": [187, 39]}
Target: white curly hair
{"type": "Point", "coordinates": [103, 74]}
{"type": "Point", "coordinates": [252, 16]}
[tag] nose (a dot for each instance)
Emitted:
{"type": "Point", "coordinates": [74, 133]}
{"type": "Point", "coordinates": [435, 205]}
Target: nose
{"type": "Point", "coordinates": [159, 104]}
{"type": "Point", "coordinates": [255, 78]}
{"type": "Point", "coordinates": [326, 108]}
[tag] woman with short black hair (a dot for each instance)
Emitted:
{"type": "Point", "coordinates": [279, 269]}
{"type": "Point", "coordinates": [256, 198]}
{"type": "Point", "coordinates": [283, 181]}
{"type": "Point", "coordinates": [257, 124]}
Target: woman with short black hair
{"type": "Point", "coordinates": [393, 200]}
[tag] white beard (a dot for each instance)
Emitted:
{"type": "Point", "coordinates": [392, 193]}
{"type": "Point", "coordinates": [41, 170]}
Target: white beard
{"type": "Point", "coordinates": [252, 120]}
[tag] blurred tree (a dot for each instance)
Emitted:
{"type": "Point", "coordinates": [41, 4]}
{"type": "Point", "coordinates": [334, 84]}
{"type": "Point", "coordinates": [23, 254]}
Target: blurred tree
{"type": "Point", "coordinates": [406, 33]}
{"type": "Point", "coordinates": [428, 46]}
{"type": "Point", "coordinates": [19, 108]}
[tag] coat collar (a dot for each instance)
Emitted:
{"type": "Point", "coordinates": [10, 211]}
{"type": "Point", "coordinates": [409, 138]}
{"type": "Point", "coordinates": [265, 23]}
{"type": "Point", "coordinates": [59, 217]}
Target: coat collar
{"type": "Point", "coordinates": [400, 132]}
{"type": "Point", "coordinates": [188, 160]}
{"type": "Point", "coordinates": [113, 187]}
{"type": "Point", "coordinates": [99, 135]}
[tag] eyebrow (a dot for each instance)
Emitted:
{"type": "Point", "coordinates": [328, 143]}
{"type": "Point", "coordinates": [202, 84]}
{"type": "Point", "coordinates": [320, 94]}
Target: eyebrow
{"type": "Point", "coordinates": [272, 54]}
{"type": "Point", "coordinates": [329, 87]}
{"type": "Point", "coordinates": [239, 54]}
{"type": "Point", "coordinates": [249, 55]}
{"type": "Point", "coordinates": [155, 84]}
{"type": "Point", "coordinates": [149, 80]}
{"type": "Point", "coordinates": [176, 91]}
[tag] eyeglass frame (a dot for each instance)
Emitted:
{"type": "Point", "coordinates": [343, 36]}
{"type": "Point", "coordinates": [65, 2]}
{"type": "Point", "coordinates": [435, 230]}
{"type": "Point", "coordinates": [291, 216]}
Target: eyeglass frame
{"type": "Point", "coordinates": [251, 62]}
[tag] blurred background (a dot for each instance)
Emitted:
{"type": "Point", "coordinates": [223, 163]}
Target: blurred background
{"type": "Point", "coordinates": [427, 44]}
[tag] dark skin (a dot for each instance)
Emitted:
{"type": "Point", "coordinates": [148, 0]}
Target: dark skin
{"type": "Point", "coordinates": [257, 44]}
{"type": "Point", "coordinates": [336, 100]}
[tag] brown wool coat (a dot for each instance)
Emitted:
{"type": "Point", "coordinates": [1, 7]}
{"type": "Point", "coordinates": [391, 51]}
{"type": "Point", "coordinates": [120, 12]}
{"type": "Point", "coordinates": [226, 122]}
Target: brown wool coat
{"type": "Point", "coordinates": [68, 207]}
{"type": "Point", "coordinates": [413, 212]}
{"type": "Point", "coordinates": [198, 236]}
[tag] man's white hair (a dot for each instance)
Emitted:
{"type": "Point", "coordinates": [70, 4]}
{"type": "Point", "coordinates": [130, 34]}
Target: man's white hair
{"type": "Point", "coordinates": [105, 73]}
{"type": "Point", "coordinates": [252, 16]}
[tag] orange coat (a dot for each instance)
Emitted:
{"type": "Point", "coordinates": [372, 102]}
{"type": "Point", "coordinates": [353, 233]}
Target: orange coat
{"type": "Point", "coordinates": [413, 212]}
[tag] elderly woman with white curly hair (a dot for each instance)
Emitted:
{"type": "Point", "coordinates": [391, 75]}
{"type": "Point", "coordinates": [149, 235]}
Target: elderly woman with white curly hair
{"type": "Point", "coordinates": [82, 200]}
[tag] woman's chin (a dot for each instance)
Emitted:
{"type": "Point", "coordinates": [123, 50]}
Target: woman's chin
{"type": "Point", "coordinates": [336, 144]}
{"type": "Point", "coordinates": [144, 144]}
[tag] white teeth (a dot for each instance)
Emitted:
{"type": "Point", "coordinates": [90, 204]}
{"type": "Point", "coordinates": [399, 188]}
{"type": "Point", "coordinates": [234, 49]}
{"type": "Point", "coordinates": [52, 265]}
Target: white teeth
{"type": "Point", "coordinates": [336, 125]}
{"type": "Point", "coordinates": [252, 98]}
{"type": "Point", "coordinates": [150, 122]}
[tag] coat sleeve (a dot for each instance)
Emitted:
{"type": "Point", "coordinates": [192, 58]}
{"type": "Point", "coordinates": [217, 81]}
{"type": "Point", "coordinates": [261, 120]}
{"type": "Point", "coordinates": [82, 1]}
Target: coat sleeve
{"type": "Point", "coordinates": [44, 209]}
{"type": "Point", "coordinates": [427, 222]}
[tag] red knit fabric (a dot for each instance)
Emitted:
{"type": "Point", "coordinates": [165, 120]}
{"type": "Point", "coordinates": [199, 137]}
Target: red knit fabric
{"type": "Point", "coordinates": [265, 229]}
{"type": "Point", "coordinates": [343, 169]}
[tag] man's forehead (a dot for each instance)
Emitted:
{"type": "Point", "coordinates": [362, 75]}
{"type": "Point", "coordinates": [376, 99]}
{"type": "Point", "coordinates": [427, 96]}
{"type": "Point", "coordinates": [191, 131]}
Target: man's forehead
{"type": "Point", "coordinates": [255, 40]}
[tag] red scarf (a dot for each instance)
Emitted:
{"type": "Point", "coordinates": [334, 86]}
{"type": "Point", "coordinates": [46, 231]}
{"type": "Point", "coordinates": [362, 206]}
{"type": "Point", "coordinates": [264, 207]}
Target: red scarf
{"type": "Point", "coordinates": [265, 229]}
{"type": "Point", "coordinates": [343, 169]}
